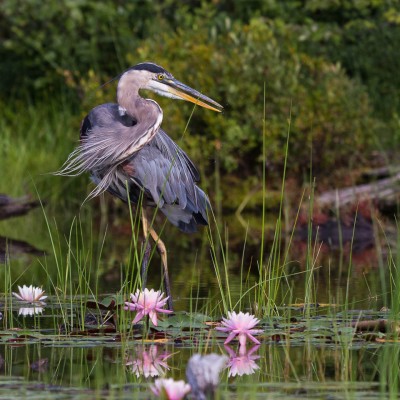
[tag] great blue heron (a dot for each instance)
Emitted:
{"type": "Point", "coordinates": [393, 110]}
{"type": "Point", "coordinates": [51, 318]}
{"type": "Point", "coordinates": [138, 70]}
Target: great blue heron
{"type": "Point", "coordinates": [130, 156]}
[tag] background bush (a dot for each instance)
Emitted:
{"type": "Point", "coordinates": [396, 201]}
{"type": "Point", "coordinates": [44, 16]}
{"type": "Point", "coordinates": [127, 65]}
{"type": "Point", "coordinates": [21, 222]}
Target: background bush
{"type": "Point", "coordinates": [330, 66]}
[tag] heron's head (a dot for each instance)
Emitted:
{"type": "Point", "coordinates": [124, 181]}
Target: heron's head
{"type": "Point", "coordinates": [152, 77]}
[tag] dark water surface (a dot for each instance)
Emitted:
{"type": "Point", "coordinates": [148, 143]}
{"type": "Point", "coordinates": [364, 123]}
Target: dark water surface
{"type": "Point", "coordinates": [52, 354]}
{"type": "Point", "coordinates": [309, 358]}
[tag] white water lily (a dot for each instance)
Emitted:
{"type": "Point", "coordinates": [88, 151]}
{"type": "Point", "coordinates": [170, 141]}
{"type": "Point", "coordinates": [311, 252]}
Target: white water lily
{"type": "Point", "coordinates": [30, 311]}
{"type": "Point", "coordinates": [170, 389]}
{"type": "Point", "coordinates": [30, 294]}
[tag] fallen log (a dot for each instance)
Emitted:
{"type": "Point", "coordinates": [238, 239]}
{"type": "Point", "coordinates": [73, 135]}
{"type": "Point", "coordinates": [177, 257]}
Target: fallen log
{"type": "Point", "coordinates": [13, 207]}
{"type": "Point", "coordinates": [12, 248]}
{"type": "Point", "coordinates": [385, 190]}
{"type": "Point", "coordinates": [378, 325]}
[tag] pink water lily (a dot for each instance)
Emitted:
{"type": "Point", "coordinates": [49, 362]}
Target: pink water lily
{"type": "Point", "coordinates": [30, 294]}
{"type": "Point", "coordinates": [172, 390]}
{"type": "Point", "coordinates": [240, 325]}
{"type": "Point", "coordinates": [149, 363]}
{"type": "Point", "coordinates": [147, 302]}
{"type": "Point", "coordinates": [243, 363]}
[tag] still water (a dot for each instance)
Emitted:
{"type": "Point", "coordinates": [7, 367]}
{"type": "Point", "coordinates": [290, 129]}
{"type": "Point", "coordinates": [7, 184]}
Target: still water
{"type": "Point", "coordinates": [310, 350]}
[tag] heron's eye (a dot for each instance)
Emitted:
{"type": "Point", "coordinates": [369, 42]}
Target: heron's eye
{"type": "Point", "coordinates": [160, 77]}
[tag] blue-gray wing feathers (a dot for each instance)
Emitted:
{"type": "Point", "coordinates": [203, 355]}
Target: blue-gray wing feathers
{"type": "Point", "coordinates": [160, 171]}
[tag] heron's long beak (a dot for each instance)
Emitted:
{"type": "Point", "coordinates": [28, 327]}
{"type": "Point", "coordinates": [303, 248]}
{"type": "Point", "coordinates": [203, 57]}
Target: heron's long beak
{"type": "Point", "coordinates": [177, 89]}
{"type": "Point", "coordinates": [187, 93]}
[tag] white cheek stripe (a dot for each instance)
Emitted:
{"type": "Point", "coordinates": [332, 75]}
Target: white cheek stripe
{"type": "Point", "coordinates": [162, 90]}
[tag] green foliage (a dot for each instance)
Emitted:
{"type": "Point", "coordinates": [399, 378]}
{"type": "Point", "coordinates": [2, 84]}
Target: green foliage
{"type": "Point", "coordinates": [327, 108]}
{"type": "Point", "coordinates": [363, 36]}
{"type": "Point", "coordinates": [318, 63]}
{"type": "Point", "coordinates": [33, 144]}
{"type": "Point", "coordinates": [48, 44]}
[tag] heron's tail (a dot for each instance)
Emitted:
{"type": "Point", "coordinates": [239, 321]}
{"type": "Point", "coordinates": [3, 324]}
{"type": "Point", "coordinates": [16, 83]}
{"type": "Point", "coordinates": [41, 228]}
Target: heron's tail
{"type": "Point", "coordinates": [187, 219]}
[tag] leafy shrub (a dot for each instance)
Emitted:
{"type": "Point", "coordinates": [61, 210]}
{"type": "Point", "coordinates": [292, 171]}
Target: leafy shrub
{"type": "Point", "coordinates": [233, 67]}
{"type": "Point", "coordinates": [242, 55]}
{"type": "Point", "coordinates": [44, 43]}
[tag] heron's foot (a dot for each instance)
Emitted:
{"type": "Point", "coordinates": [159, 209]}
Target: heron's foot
{"type": "Point", "coordinates": [169, 301]}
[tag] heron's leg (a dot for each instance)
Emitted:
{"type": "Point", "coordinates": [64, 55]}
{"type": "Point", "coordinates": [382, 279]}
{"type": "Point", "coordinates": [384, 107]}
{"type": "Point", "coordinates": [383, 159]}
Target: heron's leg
{"type": "Point", "coordinates": [162, 251]}
{"type": "Point", "coordinates": [147, 250]}
{"type": "Point", "coordinates": [145, 262]}
{"type": "Point", "coordinates": [163, 254]}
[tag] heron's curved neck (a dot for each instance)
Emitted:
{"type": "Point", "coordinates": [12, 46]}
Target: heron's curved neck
{"type": "Point", "coordinates": [142, 110]}
{"type": "Point", "coordinates": [147, 114]}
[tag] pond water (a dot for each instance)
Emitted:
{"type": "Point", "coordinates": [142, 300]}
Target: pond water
{"type": "Point", "coordinates": [312, 345]}
{"type": "Point", "coordinates": [317, 357]}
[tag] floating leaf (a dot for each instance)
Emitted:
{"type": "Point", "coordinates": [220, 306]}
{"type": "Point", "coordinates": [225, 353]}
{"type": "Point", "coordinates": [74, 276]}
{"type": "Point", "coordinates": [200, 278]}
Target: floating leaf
{"type": "Point", "coordinates": [108, 303]}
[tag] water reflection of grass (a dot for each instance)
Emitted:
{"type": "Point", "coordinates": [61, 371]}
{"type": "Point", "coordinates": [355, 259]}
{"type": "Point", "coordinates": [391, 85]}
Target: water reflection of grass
{"type": "Point", "coordinates": [307, 356]}
{"type": "Point", "coordinates": [306, 349]}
